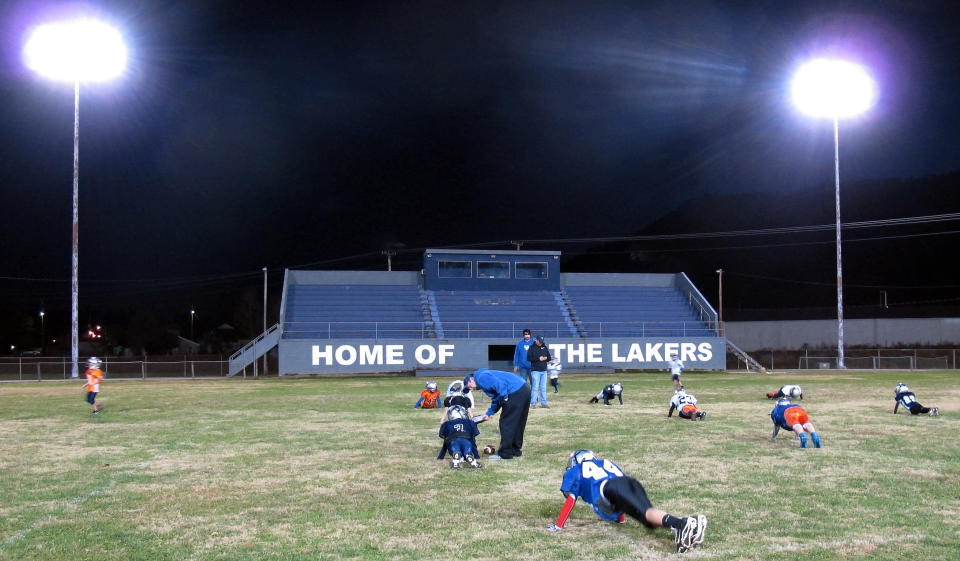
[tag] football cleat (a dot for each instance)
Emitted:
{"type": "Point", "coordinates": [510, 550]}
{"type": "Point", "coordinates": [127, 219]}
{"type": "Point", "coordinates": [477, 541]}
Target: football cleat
{"type": "Point", "coordinates": [803, 440]}
{"type": "Point", "coordinates": [691, 533]}
{"type": "Point", "coordinates": [472, 462]}
{"type": "Point", "coordinates": [703, 415]}
{"type": "Point", "coordinates": [816, 439]}
{"type": "Point", "coordinates": [456, 461]}
{"type": "Point", "coordinates": [934, 412]}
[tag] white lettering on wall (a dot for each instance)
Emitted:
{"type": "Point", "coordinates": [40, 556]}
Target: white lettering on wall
{"type": "Point", "coordinates": [706, 351]}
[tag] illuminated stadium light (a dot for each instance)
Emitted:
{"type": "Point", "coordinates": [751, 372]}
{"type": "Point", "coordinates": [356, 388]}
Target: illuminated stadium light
{"type": "Point", "coordinates": [76, 51]}
{"type": "Point", "coordinates": [834, 89]}
{"type": "Point", "coordinates": [82, 50]}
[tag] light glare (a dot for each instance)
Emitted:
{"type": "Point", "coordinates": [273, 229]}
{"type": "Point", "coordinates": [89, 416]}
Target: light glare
{"type": "Point", "coordinates": [833, 88]}
{"type": "Point", "coordinates": [82, 50]}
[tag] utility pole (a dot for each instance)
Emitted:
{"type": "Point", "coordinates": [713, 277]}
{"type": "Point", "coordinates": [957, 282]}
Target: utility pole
{"type": "Point", "coordinates": [720, 303]}
{"type": "Point", "coordinates": [264, 316]}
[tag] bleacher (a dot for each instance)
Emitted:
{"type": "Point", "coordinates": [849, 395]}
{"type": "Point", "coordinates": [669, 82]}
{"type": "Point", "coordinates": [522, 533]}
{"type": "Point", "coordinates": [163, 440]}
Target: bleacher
{"type": "Point", "coordinates": [495, 314]}
{"type": "Point", "coordinates": [634, 311]}
{"type": "Point", "coordinates": [343, 311]}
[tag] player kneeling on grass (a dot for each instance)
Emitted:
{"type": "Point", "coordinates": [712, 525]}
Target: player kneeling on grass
{"type": "Point", "coordinates": [94, 377]}
{"type": "Point", "coordinates": [686, 406]}
{"type": "Point", "coordinates": [459, 435]}
{"type": "Point", "coordinates": [609, 392]}
{"type": "Point", "coordinates": [614, 495]}
{"type": "Point", "coordinates": [905, 397]}
{"type": "Point", "coordinates": [790, 391]}
{"type": "Point", "coordinates": [794, 418]}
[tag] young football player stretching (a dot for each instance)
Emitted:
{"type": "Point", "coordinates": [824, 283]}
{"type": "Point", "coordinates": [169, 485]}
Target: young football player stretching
{"type": "Point", "coordinates": [903, 396]}
{"type": "Point", "coordinates": [793, 418]}
{"type": "Point", "coordinates": [429, 397]}
{"type": "Point", "coordinates": [459, 435]}
{"type": "Point", "coordinates": [609, 392]}
{"type": "Point", "coordinates": [94, 378]}
{"type": "Point", "coordinates": [790, 391]}
{"type": "Point", "coordinates": [614, 495]}
{"type": "Point", "coordinates": [686, 406]}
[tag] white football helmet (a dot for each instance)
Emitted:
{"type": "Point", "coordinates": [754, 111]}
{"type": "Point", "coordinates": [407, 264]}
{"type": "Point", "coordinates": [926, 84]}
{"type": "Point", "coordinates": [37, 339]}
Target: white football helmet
{"type": "Point", "coordinates": [455, 388]}
{"type": "Point", "coordinates": [795, 392]}
{"type": "Point", "coordinates": [457, 412]}
{"type": "Point", "coordinates": [432, 386]}
{"type": "Point", "coordinates": [577, 457]}
{"type": "Point", "coordinates": [679, 391]}
{"type": "Point", "coordinates": [94, 362]}
{"type": "Point", "coordinates": [901, 387]}
{"type": "Point", "coordinates": [783, 401]}
{"type": "Point", "coordinates": [617, 389]}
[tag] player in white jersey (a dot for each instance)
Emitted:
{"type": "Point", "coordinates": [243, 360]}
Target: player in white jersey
{"type": "Point", "coordinates": [686, 406]}
{"type": "Point", "coordinates": [789, 391]}
{"type": "Point", "coordinates": [676, 367]}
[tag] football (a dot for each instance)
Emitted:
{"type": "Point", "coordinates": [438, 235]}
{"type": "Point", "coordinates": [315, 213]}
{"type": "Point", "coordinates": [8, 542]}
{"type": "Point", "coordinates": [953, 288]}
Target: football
{"type": "Point", "coordinates": [489, 449]}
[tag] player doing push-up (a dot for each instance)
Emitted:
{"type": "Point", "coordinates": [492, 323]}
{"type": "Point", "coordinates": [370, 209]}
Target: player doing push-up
{"type": "Point", "coordinates": [794, 418]}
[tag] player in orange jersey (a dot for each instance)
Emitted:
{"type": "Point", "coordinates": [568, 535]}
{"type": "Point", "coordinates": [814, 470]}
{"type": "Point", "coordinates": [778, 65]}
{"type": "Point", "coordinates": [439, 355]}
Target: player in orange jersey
{"type": "Point", "coordinates": [429, 398]}
{"type": "Point", "coordinates": [94, 378]}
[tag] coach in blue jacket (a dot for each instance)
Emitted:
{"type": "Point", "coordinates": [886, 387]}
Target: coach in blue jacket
{"type": "Point", "coordinates": [511, 393]}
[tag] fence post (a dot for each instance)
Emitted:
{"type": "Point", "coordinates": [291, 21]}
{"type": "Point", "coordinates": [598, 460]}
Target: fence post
{"type": "Point", "coordinates": [38, 371]}
{"type": "Point", "coordinates": [193, 374]}
{"type": "Point", "coordinates": [143, 368]}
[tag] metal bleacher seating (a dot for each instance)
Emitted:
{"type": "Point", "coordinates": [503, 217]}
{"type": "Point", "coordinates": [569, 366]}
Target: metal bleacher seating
{"type": "Point", "coordinates": [355, 311]}
{"type": "Point", "coordinates": [634, 311]}
{"type": "Point", "coordinates": [495, 314]}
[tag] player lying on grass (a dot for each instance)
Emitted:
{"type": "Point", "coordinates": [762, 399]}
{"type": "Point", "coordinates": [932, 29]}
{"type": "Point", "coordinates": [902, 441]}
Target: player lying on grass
{"type": "Point", "coordinates": [790, 391]}
{"type": "Point", "coordinates": [794, 418]}
{"type": "Point", "coordinates": [609, 392]}
{"type": "Point", "coordinates": [686, 406]}
{"type": "Point", "coordinates": [903, 396]}
{"type": "Point", "coordinates": [459, 435]}
{"type": "Point", "coordinates": [614, 495]}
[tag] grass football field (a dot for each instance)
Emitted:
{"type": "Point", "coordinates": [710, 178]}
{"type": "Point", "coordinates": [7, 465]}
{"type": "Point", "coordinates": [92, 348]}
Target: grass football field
{"type": "Point", "coordinates": [345, 468]}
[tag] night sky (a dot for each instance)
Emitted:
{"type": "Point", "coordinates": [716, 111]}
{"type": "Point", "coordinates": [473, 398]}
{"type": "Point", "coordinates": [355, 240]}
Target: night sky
{"type": "Point", "coordinates": [249, 134]}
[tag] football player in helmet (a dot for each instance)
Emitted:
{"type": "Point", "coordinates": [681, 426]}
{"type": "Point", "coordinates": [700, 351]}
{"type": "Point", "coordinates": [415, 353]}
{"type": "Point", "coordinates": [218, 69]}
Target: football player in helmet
{"type": "Point", "coordinates": [609, 392]}
{"type": "Point", "coordinates": [790, 391]}
{"type": "Point", "coordinates": [686, 406]}
{"type": "Point", "coordinates": [94, 378]}
{"type": "Point", "coordinates": [456, 396]}
{"type": "Point", "coordinates": [429, 397]}
{"type": "Point", "coordinates": [794, 418]}
{"type": "Point", "coordinates": [459, 435]}
{"type": "Point", "coordinates": [676, 367]}
{"type": "Point", "coordinates": [613, 495]}
{"type": "Point", "coordinates": [903, 396]}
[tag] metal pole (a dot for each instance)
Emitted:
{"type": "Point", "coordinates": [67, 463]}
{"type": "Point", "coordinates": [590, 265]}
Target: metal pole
{"type": "Point", "coordinates": [264, 316]}
{"type": "Point", "coordinates": [74, 307]}
{"type": "Point", "coordinates": [836, 167]}
{"type": "Point", "coordinates": [720, 303]}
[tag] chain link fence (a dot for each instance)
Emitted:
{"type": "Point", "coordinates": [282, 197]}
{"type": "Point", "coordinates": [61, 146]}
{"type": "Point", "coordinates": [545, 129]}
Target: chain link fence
{"type": "Point", "coordinates": [27, 369]}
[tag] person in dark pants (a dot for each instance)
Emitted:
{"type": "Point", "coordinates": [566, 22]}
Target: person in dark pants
{"type": "Point", "coordinates": [511, 393]}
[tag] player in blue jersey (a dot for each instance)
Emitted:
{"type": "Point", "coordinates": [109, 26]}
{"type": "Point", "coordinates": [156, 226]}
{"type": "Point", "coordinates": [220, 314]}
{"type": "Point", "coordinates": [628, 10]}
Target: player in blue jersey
{"type": "Point", "coordinates": [459, 435]}
{"type": "Point", "coordinates": [794, 418]}
{"type": "Point", "coordinates": [905, 397]}
{"type": "Point", "coordinates": [613, 495]}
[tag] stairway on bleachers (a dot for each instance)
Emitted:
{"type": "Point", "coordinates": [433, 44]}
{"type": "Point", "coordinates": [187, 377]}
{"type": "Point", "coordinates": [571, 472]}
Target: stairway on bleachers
{"type": "Point", "coordinates": [502, 314]}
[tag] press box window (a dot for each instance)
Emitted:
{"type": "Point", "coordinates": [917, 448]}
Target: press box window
{"type": "Point", "coordinates": [493, 270]}
{"type": "Point", "coordinates": [455, 269]}
{"type": "Point", "coordinates": [531, 270]}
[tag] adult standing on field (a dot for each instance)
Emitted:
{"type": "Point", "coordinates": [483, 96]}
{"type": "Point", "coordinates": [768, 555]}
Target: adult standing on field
{"type": "Point", "coordinates": [510, 393]}
{"type": "Point", "coordinates": [520, 363]}
{"type": "Point", "coordinates": [538, 356]}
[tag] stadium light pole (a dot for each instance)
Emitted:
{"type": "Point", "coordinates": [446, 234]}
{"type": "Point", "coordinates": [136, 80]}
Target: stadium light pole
{"type": "Point", "coordinates": [264, 316]}
{"type": "Point", "coordinates": [82, 50]}
{"type": "Point", "coordinates": [720, 302]}
{"type": "Point", "coordinates": [834, 89]}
